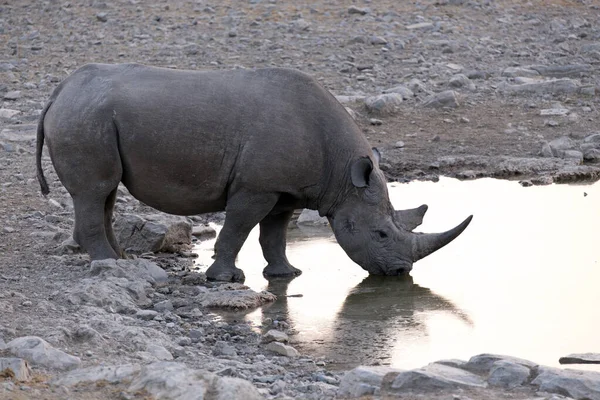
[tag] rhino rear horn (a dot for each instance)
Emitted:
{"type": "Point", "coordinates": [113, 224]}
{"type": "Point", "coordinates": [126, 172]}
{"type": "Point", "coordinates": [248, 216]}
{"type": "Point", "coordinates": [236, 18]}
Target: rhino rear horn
{"type": "Point", "coordinates": [410, 219]}
{"type": "Point", "coordinates": [423, 244]}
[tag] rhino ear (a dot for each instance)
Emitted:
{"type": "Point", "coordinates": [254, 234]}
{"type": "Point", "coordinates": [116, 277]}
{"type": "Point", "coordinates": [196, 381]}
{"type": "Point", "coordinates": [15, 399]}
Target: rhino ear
{"type": "Point", "coordinates": [361, 171]}
{"type": "Point", "coordinates": [376, 154]}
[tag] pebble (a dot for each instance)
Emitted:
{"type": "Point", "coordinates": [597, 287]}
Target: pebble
{"type": "Point", "coordinates": [358, 10]}
{"type": "Point", "coordinates": [443, 99]}
{"type": "Point", "coordinates": [12, 95]}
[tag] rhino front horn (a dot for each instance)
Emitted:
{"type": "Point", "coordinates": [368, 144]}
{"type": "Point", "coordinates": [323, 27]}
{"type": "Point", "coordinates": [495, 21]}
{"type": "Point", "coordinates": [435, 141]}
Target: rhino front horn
{"type": "Point", "coordinates": [425, 244]}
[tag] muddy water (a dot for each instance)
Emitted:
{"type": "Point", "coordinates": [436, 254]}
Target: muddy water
{"type": "Point", "coordinates": [523, 280]}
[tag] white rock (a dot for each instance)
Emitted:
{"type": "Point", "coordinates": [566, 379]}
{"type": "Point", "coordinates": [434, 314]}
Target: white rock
{"type": "Point", "coordinates": [363, 381]}
{"type": "Point", "coordinates": [39, 352]}
{"type": "Point", "coordinates": [8, 113]}
{"type": "Point", "coordinates": [110, 374]}
{"type": "Point", "coordinates": [402, 90]}
{"type": "Point", "coordinates": [576, 384]}
{"type": "Point", "coordinates": [554, 111]}
{"type": "Point", "coordinates": [159, 352]}
{"type": "Point", "coordinates": [556, 86]}
{"type": "Point", "coordinates": [420, 25]}
{"type": "Point", "coordinates": [16, 368]}
{"type": "Point", "coordinates": [276, 336]}
{"type": "Point", "coordinates": [311, 217]}
{"type": "Point", "coordinates": [520, 71]}
{"type": "Point", "coordinates": [446, 98]}
{"type": "Point", "coordinates": [175, 381]}
{"type": "Point", "coordinates": [384, 104]}
{"type": "Point", "coordinates": [283, 349]}
{"type": "Point", "coordinates": [235, 296]}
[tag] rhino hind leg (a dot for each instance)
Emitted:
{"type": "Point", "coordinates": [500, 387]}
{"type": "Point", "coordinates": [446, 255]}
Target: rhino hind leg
{"type": "Point", "coordinates": [273, 229]}
{"type": "Point", "coordinates": [90, 231]}
{"type": "Point", "coordinates": [244, 211]}
{"type": "Point", "coordinates": [109, 206]}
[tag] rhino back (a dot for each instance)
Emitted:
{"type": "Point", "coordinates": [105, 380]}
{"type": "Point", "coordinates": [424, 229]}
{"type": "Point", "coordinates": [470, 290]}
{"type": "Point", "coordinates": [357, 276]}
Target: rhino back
{"type": "Point", "coordinates": [187, 139]}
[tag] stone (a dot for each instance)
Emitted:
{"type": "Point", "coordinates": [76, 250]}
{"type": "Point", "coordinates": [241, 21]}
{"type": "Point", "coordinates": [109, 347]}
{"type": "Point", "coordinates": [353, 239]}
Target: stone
{"type": "Point", "coordinates": [311, 217]}
{"type": "Point", "coordinates": [110, 374]}
{"type": "Point", "coordinates": [562, 71]}
{"type": "Point", "coordinates": [163, 380]}
{"type": "Point", "coordinates": [153, 233]}
{"type": "Point", "coordinates": [483, 363]}
{"type": "Point", "coordinates": [443, 99]}
{"type": "Point", "coordinates": [222, 348]}
{"type": "Point", "coordinates": [39, 352]}
{"type": "Point", "coordinates": [402, 90]}
{"type": "Point", "coordinates": [15, 368]}
{"type": "Point", "coordinates": [573, 383]}
{"type": "Point", "coordinates": [433, 377]}
{"type": "Point", "coordinates": [146, 315]}
{"type": "Point", "coordinates": [420, 26]}
{"type": "Point", "coordinates": [203, 232]}
{"type": "Point", "coordinates": [171, 381]}
{"type": "Point", "coordinates": [378, 40]}
{"type": "Point", "coordinates": [102, 17]}
{"type": "Point", "coordinates": [159, 352]}
{"type": "Point", "coordinates": [557, 86]}
{"type": "Point", "coordinates": [508, 375]}
{"type": "Point", "coordinates": [8, 113]}
{"type": "Point", "coordinates": [363, 381]}
{"type": "Point", "coordinates": [234, 296]}
{"type": "Point", "coordinates": [554, 112]}
{"type": "Point", "coordinates": [580, 358]}
{"type": "Point", "coordinates": [461, 80]}
{"type": "Point", "coordinates": [592, 155]}
{"type": "Point", "coordinates": [358, 10]}
{"type": "Point", "coordinates": [164, 306]}
{"type": "Point", "coordinates": [557, 147]}
{"type": "Point", "coordinates": [138, 268]}
{"type": "Point", "coordinates": [283, 349]}
{"type": "Point", "coordinates": [521, 72]}
{"type": "Point", "coordinates": [384, 104]}
{"type": "Point", "coordinates": [399, 144]}
{"type": "Point", "coordinates": [573, 155]}
{"type": "Point", "coordinates": [275, 336]}
{"type": "Point", "coordinates": [12, 95]}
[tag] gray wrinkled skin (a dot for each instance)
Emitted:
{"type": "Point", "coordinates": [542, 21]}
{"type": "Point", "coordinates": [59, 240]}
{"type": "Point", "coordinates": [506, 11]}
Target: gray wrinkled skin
{"type": "Point", "coordinates": [255, 143]}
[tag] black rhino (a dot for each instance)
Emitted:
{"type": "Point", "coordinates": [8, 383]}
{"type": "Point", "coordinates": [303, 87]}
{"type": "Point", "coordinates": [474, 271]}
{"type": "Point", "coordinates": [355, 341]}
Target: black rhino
{"type": "Point", "coordinates": [255, 143]}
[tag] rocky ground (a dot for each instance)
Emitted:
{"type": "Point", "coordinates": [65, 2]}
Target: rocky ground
{"type": "Point", "coordinates": [454, 87]}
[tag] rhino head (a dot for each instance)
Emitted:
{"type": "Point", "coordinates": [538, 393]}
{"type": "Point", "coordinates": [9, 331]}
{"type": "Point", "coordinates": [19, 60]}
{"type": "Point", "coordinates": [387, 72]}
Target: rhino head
{"type": "Point", "coordinates": [373, 234]}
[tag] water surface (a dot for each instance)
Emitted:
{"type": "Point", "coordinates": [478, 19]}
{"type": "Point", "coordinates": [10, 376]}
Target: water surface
{"type": "Point", "coordinates": [522, 280]}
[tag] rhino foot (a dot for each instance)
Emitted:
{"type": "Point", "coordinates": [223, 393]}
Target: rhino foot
{"type": "Point", "coordinates": [226, 274]}
{"type": "Point", "coordinates": [280, 271]}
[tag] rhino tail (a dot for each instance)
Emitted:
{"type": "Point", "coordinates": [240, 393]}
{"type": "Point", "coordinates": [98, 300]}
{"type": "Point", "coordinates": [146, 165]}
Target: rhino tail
{"type": "Point", "coordinates": [39, 148]}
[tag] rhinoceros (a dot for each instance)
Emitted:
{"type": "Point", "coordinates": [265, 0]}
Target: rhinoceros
{"type": "Point", "coordinates": [257, 143]}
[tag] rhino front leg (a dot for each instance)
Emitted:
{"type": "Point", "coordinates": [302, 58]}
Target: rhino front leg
{"type": "Point", "coordinates": [243, 212]}
{"type": "Point", "coordinates": [273, 233]}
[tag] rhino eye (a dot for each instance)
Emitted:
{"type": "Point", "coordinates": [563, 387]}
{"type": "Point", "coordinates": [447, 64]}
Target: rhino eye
{"type": "Point", "coordinates": [381, 234]}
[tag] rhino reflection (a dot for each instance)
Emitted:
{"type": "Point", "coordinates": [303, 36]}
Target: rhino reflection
{"type": "Point", "coordinates": [376, 314]}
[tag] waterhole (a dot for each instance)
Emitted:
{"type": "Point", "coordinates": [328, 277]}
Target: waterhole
{"type": "Point", "coordinates": [522, 280]}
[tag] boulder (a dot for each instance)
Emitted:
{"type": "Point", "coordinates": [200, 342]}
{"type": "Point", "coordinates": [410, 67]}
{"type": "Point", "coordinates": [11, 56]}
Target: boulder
{"type": "Point", "coordinates": [431, 378]}
{"type": "Point", "coordinates": [581, 358]}
{"type": "Point", "coordinates": [311, 217]}
{"type": "Point", "coordinates": [15, 368]}
{"type": "Point", "coordinates": [164, 381]}
{"type": "Point", "coordinates": [483, 363]}
{"type": "Point", "coordinates": [384, 104]}
{"type": "Point", "coordinates": [39, 352]}
{"type": "Point", "coordinates": [508, 375]}
{"type": "Point", "coordinates": [275, 336]}
{"type": "Point", "coordinates": [283, 349]}
{"type": "Point", "coordinates": [153, 233]}
{"type": "Point", "coordinates": [138, 268]}
{"type": "Point", "coordinates": [234, 296]}
{"type": "Point", "coordinates": [573, 383]}
{"type": "Point", "coordinates": [363, 381]}
{"type": "Point", "coordinates": [443, 99]}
